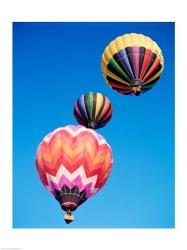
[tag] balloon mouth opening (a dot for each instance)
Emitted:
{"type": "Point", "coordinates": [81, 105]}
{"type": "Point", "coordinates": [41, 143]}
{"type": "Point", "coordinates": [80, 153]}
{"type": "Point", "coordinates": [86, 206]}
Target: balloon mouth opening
{"type": "Point", "coordinates": [69, 206]}
{"type": "Point", "coordinates": [92, 125]}
{"type": "Point", "coordinates": [136, 86]}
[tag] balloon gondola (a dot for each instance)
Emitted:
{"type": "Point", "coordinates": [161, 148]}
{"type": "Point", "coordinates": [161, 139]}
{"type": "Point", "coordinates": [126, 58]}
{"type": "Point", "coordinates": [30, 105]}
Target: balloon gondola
{"type": "Point", "coordinates": [68, 217]}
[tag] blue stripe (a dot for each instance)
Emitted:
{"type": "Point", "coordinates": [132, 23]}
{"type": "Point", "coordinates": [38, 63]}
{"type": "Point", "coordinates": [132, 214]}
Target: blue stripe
{"type": "Point", "coordinates": [123, 55]}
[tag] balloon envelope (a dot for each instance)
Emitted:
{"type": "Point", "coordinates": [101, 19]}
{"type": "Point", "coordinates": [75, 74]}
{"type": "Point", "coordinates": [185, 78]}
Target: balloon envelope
{"type": "Point", "coordinates": [73, 163]}
{"type": "Point", "coordinates": [132, 64]}
{"type": "Point", "coordinates": [93, 110]}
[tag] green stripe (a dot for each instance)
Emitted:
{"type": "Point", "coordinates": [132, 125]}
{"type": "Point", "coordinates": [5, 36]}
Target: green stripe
{"type": "Point", "coordinates": [89, 102]}
{"type": "Point", "coordinates": [119, 69]}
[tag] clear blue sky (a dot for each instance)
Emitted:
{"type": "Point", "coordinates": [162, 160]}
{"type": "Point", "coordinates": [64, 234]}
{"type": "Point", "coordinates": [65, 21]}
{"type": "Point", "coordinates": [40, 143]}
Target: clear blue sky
{"type": "Point", "coordinates": [53, 64]}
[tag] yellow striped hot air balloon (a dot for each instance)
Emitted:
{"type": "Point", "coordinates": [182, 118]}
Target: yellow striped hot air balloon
{"type": "Point", "coordinates": [132, 64]}
{"type": "Point", "coordinates": [93, 110]}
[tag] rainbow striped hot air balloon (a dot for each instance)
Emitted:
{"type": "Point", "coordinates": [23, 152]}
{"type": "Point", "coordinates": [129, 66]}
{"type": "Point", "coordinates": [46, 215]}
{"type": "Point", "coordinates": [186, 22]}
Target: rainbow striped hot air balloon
{"type": "Point", "coordinates": [73, 163]}
{"type": "Point", "coordinates": [132, 64]}
{"type": "Point", "coordinates": [93, 110]}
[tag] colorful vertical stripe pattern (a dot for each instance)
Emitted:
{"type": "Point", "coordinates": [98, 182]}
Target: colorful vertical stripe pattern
{"type": "Point", "coordinates": [93, 110]}
{"type": "Point", "coordinates": [132, 64]}
{"type": "Point", "coordinates": [73, 163]}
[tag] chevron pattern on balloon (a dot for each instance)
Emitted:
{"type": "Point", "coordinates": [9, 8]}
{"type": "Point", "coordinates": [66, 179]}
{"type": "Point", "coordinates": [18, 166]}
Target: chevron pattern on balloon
{"type": "Point", "coordinates": [77, 178]}
{"type": "Point", "coordinates": [74, 156]}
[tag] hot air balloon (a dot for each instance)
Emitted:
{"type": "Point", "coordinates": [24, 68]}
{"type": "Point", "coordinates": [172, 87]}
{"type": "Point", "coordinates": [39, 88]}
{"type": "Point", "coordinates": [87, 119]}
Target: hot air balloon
{"type": "Point", "coordinates": [93, 110]}
{"type": "Point", "coordinates": [73, 163]}
{"type": "Point", "coordinates": [132, 64]}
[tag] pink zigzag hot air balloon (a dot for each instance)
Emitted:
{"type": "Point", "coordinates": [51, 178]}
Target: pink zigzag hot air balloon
{"type": "Point", "coordinates": [73, 163]}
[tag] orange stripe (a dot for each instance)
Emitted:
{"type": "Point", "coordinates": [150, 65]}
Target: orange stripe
{"type": "Point", "coordinates": [147, 56]}
{"type": "Point", "coordinates": [153, 67]}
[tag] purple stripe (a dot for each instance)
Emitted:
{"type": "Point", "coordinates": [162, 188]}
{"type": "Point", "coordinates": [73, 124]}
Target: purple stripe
{"type": "Point", "coordinates": [82, 105]}
{"type": "Point", "coordinates": [77, 110]}
{"type": "Point", "coordinates": [135, 51]}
